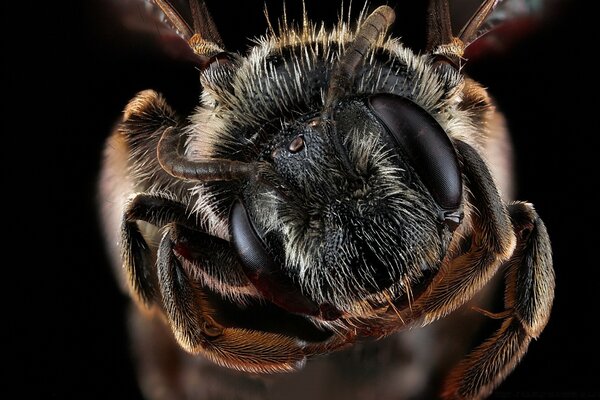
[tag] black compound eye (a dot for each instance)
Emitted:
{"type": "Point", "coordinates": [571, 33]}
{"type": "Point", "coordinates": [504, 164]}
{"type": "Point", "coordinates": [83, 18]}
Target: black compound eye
{"type": "Point", "coordinates": [261, 268]}
{"type": "Point", "coordinates": [248, 243]}
{"type": "Point", "coordinates": [420, 139]}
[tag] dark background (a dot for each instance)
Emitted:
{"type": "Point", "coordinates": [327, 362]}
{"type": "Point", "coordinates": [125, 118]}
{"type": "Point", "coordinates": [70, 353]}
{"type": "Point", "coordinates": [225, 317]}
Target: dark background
{"type": "Point", "coordinates": [69, 71]}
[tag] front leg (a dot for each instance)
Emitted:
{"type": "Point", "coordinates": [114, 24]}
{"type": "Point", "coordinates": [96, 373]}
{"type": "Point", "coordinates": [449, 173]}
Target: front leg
{"type": "Point", "coordinates": [528, 300]}
{"type": "Point", "coordinates": [209, 258]}
{"type": "Point", "coordinates": [513, 236]}
{"type": "Point", "coordinates": [196, 329]}
{"type": "Point", "coordinates": [492, 242]}
{"type": "Point", "coordinates": [188, 262]}
{"type": "Point", "coordinates": [138, 258]}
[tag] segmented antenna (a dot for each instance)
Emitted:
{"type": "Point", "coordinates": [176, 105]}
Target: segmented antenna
{"type": "Point", "coordinates": [170, 157]}
{"type": "Point", "coordinates": [344, 74]}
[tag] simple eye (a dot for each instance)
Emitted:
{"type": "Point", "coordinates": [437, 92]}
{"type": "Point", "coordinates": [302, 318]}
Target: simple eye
{"type": "Point", "coordinates": [419, 138]}
{"type": "Point", "coordinates": [297, 144]}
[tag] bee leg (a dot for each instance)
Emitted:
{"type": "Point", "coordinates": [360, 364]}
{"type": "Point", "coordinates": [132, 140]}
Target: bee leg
{"type": "Point", "coordinates": [511, 235]}
{"type": "Point", "coordinates": [187, 309]}
{"type": "Point", "coordinates": [528, 299]}
{"type": "Point", "coordinates": [492, 243]}
{"type": "Point", "coordinates": [191, 317]}
{"type": "Point", "coordinates": [156, 209]}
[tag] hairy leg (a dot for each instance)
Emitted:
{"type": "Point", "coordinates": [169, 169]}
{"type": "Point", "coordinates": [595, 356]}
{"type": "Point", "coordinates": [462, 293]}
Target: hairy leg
{"type": "Point", "coordinates": [491, 243]}
{"type": "Point", "coordinates": [528, 299]}
{"type": "Point", "coordinates": [183, 298]}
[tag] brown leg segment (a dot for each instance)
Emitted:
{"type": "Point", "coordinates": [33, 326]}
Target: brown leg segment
{"type": "Point", "coordinates": [138, 259]}
{"type": "Point", "coordinates": [529, 295]}
{"type": "Point", "coordinates": [190, 316]}
{"type": "Point", "coordinates": [188, 311]}
{"type": "Point", "coordinates": [492, 243]}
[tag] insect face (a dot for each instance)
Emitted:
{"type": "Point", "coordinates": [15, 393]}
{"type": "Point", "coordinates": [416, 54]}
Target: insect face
{"type": "Point", "coordinates": [346, 206]}
{"type": "Point", "coordinates": [330, 185]}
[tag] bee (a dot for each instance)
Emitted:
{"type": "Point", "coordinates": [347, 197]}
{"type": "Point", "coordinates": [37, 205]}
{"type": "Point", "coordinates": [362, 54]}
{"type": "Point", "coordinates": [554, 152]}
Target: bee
{"type": "Point", "coordinates": [330, 187]}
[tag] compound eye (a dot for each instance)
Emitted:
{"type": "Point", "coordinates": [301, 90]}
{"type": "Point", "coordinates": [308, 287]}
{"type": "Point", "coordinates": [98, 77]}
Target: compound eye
{"type": "Point", "coordinates": [261, 268]}
{"type": "Point", "coordinates": [248, 244]}
{"type": "Point", "coordinates": [421, 140]}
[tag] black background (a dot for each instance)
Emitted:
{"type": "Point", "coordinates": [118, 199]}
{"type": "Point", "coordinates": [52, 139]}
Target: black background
{"type": "Point", "coordinates": [70, 70]}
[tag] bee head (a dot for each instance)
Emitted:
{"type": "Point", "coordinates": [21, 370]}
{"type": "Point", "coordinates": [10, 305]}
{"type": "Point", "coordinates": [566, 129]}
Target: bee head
{"type": "Point", "coordinates": [353, 209]}
{"type": "Point", "coordinates": [362, 187]}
